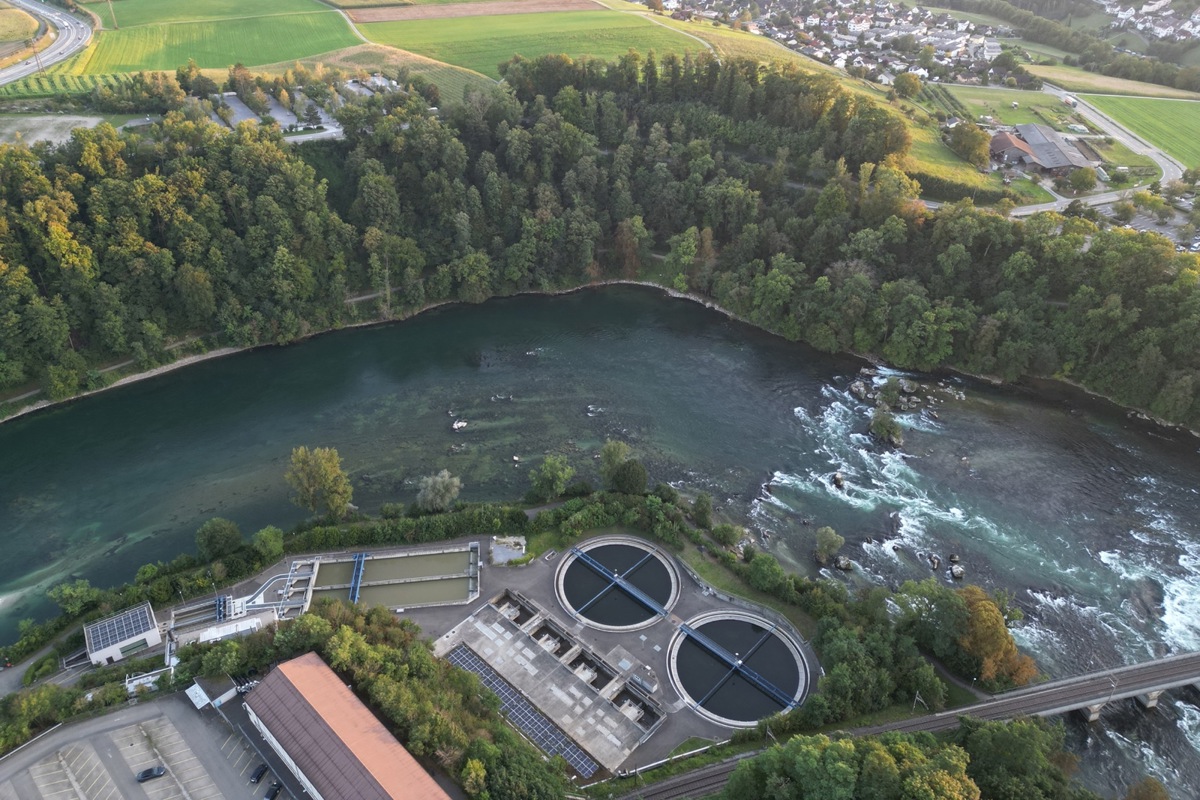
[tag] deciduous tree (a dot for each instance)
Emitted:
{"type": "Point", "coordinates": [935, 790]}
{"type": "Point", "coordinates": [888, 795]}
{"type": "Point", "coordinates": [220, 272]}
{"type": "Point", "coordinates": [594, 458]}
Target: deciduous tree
{"type": "Point", "coordinates": [318, 481]}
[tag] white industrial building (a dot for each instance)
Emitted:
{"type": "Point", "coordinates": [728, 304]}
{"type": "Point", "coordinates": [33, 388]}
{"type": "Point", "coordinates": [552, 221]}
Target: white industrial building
{"type": "Point", "coordinates": [121, 635]}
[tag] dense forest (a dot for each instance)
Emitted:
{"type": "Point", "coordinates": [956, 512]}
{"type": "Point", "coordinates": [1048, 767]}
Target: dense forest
{"type": "Point", "coordinates": [777, 193]}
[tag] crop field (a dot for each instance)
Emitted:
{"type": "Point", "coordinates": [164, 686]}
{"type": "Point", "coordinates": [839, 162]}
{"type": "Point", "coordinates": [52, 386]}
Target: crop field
{"type": "Point", "coordinates": [15, 24]}
{"type": "Point", "coordinates": [219, 43]}
{"type": "Point", "coordinates": [1168, 124]}
{"type": "Point", "coordinates": [52, 83]}
{"type": "Point", "coordinates": [482, 43]}
{"type": "Point", "coordinates": [1074, 79]}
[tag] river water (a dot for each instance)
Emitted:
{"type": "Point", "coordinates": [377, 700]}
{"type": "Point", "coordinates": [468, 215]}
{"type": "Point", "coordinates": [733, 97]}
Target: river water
{"type": "Point", "coordinates": [1093, 521]}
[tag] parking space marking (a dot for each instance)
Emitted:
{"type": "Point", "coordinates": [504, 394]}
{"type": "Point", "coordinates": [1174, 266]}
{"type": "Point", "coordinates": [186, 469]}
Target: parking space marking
{"type": "Point", "coordinates": [51, 779]}
{"type": "Point", "coordinates": [193, 778]}
{"type": "Point", "coordinates": [92, 778]}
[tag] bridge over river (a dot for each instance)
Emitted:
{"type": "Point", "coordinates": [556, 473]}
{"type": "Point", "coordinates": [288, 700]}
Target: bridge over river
{"type": "Point", "coordinates": [1087, 694]}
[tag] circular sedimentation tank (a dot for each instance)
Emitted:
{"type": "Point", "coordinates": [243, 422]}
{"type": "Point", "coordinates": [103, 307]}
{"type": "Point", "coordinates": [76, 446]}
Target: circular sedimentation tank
{"type": "Point", "coordinates": [736, 668]}
{"type": "Point", "coordinates": [616, 583]}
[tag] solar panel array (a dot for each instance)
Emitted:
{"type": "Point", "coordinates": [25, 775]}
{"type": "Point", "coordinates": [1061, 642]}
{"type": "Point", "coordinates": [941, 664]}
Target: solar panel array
{"type": "Point", "coordinates": [520, 712]}
{"type": "Point", "coordinates": [119, 627]}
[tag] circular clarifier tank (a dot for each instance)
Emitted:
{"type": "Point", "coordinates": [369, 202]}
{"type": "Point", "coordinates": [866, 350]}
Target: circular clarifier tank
{"type": "Point", "coordinates": [736, 668]}
{"type": "Point", "coordinates": [617, 583]}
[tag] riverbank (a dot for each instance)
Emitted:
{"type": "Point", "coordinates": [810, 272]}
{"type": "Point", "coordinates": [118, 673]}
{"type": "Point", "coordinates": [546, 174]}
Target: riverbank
{"type": "Point", "coordinates": [1037, 385]}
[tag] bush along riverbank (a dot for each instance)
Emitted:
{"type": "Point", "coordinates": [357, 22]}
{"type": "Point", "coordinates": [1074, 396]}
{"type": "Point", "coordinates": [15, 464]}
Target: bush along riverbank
{"type": "Point", "coordinates": [778, 195]}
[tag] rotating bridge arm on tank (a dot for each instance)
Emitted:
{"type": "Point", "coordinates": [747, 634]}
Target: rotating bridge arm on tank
{"type": "Point", "coordinates": [737, 665]}
{"type": "Point", "coordinates": [618, 580]}
{"type": "Point", "coordinates": [360, 566]}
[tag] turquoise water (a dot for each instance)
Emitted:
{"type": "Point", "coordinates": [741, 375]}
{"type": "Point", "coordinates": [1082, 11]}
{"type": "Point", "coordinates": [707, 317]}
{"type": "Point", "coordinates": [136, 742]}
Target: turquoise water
{"type": "Point", "coordinates": [1090, 519]}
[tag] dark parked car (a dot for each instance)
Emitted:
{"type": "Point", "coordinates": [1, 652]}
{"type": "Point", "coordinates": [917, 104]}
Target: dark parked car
{"type": "Point", "coordinates": [151, 774]}
{"type": "Point", "coordinates": [258, 774]}
{"type": "Point", "coordinates": [274, 791]}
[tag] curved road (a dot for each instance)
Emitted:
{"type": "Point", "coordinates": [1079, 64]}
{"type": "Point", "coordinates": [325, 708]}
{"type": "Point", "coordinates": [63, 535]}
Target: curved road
{"type": "Point", "coordinates": [73, 36]}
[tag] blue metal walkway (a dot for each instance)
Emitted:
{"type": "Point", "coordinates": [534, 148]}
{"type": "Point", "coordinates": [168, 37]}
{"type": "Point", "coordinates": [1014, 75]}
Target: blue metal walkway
{"type": "Point", "coordinates": [736, 665]}
{"type": "Point", "coordinates": [360, 566]}
{"type": "Point", "coordinates": [618, 580]}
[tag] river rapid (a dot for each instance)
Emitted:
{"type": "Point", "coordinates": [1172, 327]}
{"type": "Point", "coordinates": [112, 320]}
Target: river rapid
{"type": "Point", "coordinates": [1092, 520]}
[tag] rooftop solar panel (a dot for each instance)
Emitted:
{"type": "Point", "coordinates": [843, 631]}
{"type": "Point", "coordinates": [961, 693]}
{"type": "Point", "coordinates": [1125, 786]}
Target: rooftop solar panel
{"type": "Point", "coordinates": [120, 627]}
{"type": "Point", "coordinates": [521, 713]}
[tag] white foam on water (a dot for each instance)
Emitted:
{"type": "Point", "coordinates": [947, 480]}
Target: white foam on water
{"type": "Point", "coordinates": [1143, 754]}
{"type": "Point", "coordinates": [1189, 723]}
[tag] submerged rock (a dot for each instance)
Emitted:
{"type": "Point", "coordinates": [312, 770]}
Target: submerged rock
{"type": "Point", "coordinates": [839, 480]}
{"type": "Point", "coordinates": [843, 563]}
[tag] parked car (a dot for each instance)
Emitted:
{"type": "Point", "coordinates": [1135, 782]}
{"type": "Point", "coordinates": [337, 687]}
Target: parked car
{"type": "Point", "coordinates": [150, 774]}
{"type": "Point", "coordinates": [258, 773]}
{"type": "Point", "coordinates": [274, 791]}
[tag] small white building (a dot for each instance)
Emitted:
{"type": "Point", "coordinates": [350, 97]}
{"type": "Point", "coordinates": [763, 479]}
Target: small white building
{"type": "Point", "coordinates": [121, 635]}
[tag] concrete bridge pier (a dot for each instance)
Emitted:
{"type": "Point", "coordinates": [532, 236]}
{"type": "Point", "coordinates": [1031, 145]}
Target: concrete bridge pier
{"type": "Point", "coordinates": [1092, 713]}
{"type": "Point", "coordinates": [1149, 700]}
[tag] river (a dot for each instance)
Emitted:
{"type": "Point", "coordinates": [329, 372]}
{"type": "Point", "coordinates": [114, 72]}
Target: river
{"type": "Point", "coordinates": [1092, 520]}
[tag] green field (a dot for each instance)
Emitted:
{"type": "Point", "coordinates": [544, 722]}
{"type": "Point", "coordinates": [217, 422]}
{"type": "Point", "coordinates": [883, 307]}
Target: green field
{"type": "Point", "coordinates": [1034, 107]}
{"type": "Point", "coordinates": [133, 13]}
{"type": "Point", "coordinates": [220, 43]}
{"type": "Point", "coordinates": [481, 43]}
{"type": "Point", "coordinates": [1168, 124]}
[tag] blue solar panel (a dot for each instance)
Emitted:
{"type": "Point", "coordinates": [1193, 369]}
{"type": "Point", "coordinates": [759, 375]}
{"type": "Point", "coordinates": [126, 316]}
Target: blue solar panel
{"type": "Point", "coordinates": [521, 713]}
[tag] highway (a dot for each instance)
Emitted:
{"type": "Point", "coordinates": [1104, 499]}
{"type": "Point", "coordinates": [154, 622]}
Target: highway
{"type": "Point", "coordinates": [73, 34]}
{"type": "Point", "coordinates": [1055, 697]}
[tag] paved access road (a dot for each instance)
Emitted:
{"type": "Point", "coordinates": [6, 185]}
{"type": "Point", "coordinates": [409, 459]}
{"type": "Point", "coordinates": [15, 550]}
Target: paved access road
{"type": "Point", "coordinates": [1045, 699]}
{"type": "Point", "coordinates": [73, 36]}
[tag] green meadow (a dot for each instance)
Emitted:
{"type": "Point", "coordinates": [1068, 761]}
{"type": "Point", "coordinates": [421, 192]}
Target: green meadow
{"type": "Point", "coordinates": [133, 13]}
{"type": "Point", "coordinates": [1170, 125]}
{"type": "Point", "coordinates": [219, 43]}
{"type": "Point", "coordinates": [482, 43]}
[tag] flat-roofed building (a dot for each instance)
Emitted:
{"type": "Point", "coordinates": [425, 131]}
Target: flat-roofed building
{"type": "Point", "coordinates": [330, 741]}
{"type": "Point", "coordinates": [119, 636]}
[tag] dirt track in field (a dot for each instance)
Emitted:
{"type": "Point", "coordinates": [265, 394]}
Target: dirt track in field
{"type": "Point", "coordinates": [485, 9]}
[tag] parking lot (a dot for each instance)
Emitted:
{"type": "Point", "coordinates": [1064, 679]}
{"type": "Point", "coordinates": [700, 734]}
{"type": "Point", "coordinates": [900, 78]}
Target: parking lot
{"type": "Point", "coordinates": [203, 758]}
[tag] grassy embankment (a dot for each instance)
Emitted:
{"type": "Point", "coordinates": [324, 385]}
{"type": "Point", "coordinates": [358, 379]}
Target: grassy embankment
{"type": "Point", "coordinates": [15, 24]}
{"type": "Point", "coordinates": [1167, 124]}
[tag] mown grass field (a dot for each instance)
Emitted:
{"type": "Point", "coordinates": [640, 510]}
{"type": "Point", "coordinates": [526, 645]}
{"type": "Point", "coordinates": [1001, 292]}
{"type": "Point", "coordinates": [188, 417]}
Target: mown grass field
{"type": "Point", "coordinates": [1032, 107]}
{"type": "Point", "coordinates": [1171, 125]}
{"type": "Point", "coordinates": [15, 24]}
{"type": "Point", "coordinates": [482, 43]}
{"type": "Point", "coordinates": [1074, 79]}
{"type": "Point", "coordinates": [218, 43]}
{"type": "Point", "coordinates": [133, 13]}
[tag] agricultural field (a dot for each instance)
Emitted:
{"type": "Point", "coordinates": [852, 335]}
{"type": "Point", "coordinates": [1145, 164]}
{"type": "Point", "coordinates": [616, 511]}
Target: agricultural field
{"type": "Point", "coordinates": [1168, 124]}
{"type": "Point", "coordinates": [351, 4]}
{"type": "Point", "coordinates": [15, 24]}
{"type": "Point", "coordinates": [482, 43]}
{"type": "Point", "coordinates": [134, 13]}
{"type": "Point", "coordinates": [53, 81]}
{"type": "Point", "coordinates": [218, 44]}
{"type": "Point", "coordinates": [1074, 79]}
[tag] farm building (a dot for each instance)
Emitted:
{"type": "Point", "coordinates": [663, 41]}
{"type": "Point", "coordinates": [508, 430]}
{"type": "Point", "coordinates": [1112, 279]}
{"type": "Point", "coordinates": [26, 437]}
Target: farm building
{"type": "Point", "coordinates": [1038, 147]}
{"type": "Point", "coordinates": [330, 741]}
{"type": "Point", "coordinates": [119, 636]}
